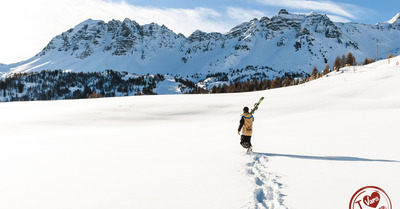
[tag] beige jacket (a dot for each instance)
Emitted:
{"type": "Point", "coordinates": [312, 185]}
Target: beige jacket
{"type": "Point", "coordinates": [246, 124]}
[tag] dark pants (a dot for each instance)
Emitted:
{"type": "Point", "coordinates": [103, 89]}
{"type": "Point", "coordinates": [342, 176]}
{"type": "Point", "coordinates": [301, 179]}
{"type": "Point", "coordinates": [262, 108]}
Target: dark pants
{"type": "Point", "coordinates": [245, 141]}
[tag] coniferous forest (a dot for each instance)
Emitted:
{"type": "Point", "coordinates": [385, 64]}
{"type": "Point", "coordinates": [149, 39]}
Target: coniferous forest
{"type": "Point", "coordinates": [56, 85]}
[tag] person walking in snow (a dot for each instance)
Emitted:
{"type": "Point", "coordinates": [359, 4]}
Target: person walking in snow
{"type": "Point", "coordinates": [246, 127]}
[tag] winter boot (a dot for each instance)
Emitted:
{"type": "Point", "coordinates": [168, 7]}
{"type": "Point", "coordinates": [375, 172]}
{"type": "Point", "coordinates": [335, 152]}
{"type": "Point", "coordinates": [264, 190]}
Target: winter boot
{"type": "Point", "coordinates": [250, 150]}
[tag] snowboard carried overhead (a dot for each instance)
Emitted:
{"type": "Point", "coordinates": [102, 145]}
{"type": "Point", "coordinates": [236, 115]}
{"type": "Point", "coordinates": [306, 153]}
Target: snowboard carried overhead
{"type": "Point", "coordinates": [256, 105]}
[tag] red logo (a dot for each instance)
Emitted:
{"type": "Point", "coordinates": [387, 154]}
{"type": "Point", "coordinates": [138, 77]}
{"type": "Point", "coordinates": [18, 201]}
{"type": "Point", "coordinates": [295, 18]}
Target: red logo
{"type": "Point", "coordinates": [370, 197]}
{"type": "Point", "coordinates": [373, 200]}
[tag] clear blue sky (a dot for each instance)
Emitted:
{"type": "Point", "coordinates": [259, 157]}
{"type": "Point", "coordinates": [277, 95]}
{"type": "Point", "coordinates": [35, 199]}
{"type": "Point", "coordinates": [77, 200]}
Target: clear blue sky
{"type": "Point", "coordinates": [29, 25]}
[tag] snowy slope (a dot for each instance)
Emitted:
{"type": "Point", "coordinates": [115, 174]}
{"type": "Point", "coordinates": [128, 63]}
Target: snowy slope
{"type": "Point", "coordinates": [316, 144]}
{"type": "Point", "coordinates": [285, 43]}
{"type": "Point", "coordinates": [394, 19]}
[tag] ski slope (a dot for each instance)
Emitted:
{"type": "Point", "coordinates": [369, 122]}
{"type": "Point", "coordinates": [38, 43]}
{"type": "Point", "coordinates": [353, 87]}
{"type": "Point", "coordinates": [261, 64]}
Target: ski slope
{"type": "Point", "coordinates": [315, 145]}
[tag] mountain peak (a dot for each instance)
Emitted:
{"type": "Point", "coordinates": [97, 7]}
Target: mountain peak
{"type": "Point", "coordinates": [308, 39]}
{"type": "Point", "coordinates": [394, 19]}
{"type": "Point", "coordinates": [283, 12]}
{"type": "Point", "coordinates": [87, 22]}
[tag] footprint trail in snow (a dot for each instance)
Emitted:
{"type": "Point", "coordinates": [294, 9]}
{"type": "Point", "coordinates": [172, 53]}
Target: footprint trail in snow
{"type": "Point", "coordinates": [266, 192]}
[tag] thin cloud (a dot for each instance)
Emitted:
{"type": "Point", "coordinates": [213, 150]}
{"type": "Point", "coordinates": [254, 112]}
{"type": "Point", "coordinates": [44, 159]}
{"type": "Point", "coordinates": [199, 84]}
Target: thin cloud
{"type": "Point", "coordinates": [242, 15]}
{"type": "Point", "coordinates": [29, 25]}
{"type": "Point", "coordinates": [337, 9]}
{"type": "Point", "coordinates": [187, 21]}
{"type": "Point", "coordinates": [335, 18]}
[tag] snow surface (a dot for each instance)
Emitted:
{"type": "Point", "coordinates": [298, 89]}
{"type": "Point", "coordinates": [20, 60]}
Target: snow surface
{"type": "Point", "coordinates": [315, 145]}
{"type": "Point", "coordinates": [396, 17]}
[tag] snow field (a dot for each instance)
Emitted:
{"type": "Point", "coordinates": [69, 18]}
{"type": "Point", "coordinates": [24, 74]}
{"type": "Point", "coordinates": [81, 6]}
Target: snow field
{"type": "Point", "coordinates": [315, 145]}
{"type": "Point", "coordinates": [332, 136]}
{"type": "Point", "coordinates": [265, 185]}
{"type": "Point", "coordinates": [141, 152]}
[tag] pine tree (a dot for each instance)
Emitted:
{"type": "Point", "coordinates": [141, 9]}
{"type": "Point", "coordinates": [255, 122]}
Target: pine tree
{"type": "Point", "coordinates": [367, 61]}
{"type": "Point", "coordinates": [343, 61]}
{"type": "Point", "coordinates": [314, 73]}
{"type": "Point", "coordinates": [276, 83]}
{"type": "Point", "coordinates": [336, 64]}
{"type": "Point", "coordinates": [214, 89]}
{"type": "Point", "coordinates": [287, 82]}
{"type": "Point", "coordinates": [350, 60]}
{"type": "Point", "coordinates": [265, 84]}
{"type": "Point", "coordinates": [327, 69]}
{"type": "Point", "coordinates": [224, 88]}
{"type": "Point", "coordinates": [95, 95]}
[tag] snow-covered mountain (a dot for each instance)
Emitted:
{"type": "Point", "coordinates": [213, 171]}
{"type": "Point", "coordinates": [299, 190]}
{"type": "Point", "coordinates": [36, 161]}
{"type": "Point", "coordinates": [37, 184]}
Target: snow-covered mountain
{"type": "Point", "coordinates": [394, 19]}
{"type": "Point", "coordinates": [284, 43]}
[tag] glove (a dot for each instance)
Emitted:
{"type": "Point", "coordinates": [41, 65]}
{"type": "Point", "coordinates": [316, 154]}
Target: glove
{"type": "Point", "coordinates": [238, 132]}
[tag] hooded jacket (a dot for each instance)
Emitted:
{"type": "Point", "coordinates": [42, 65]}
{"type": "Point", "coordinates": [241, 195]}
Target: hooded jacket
{"type": "Point", "coordinates": [246, 124]}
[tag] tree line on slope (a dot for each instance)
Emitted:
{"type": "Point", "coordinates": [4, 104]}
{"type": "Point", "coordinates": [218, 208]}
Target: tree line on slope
{"type": "Point", "coordinates": [52, 85]}
{"type": "Point", "coordinates": [287, 80]}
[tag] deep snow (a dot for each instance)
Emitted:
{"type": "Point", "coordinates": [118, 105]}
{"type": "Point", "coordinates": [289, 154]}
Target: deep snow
{"type": "Point", "coordinates": [315, 145]}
